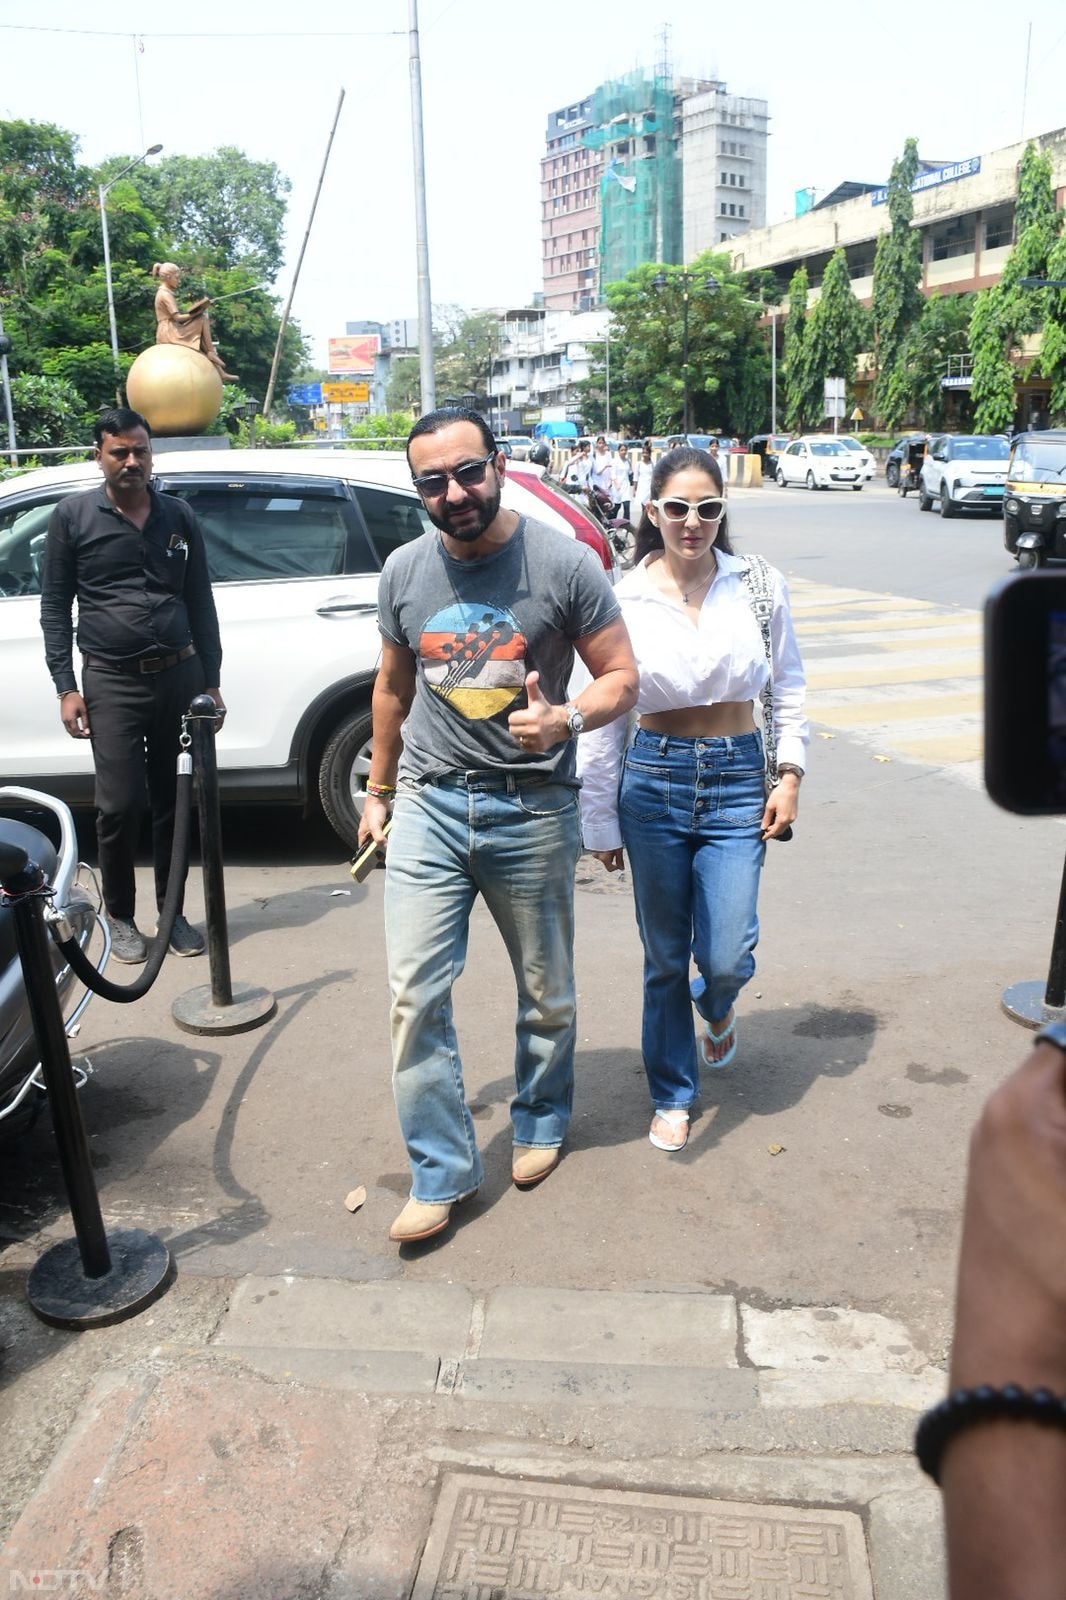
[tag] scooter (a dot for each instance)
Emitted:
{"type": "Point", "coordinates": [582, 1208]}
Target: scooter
{"type": "Point", "coordinates": [44, 828]}
{"type": "Point", "coordinates": [619, 532]}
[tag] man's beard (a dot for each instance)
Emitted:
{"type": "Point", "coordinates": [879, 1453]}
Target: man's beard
{"type": "Point", "coordinates": [470, 531]}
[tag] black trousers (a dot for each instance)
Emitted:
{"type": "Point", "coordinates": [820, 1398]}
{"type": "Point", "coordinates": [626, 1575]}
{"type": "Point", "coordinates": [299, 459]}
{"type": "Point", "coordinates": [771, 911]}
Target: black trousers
{"type": "Point", "coordinates": [135, 722]}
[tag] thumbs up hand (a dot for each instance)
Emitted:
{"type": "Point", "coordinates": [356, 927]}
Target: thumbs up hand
{"type": "Point", "coordinates": [540, 725]}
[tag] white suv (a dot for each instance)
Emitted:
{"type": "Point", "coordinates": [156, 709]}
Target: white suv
{"type": "Point", "coordinates": [295, 543]}
{"type": "Point", "coordinates": [964, 472]}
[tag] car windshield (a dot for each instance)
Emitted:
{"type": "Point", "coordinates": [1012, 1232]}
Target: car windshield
{"type": "Point", "coordinates": [851, 444]}
{"type": "Point", "coordinates": [828, 447]}
{"type": "Point", "coordinates": [978, 448]}
{"type": "Point", "coordinates": [1039, 460]}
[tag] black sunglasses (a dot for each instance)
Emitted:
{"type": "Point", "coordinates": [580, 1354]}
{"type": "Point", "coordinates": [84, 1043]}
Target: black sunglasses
{"type": "Point", "coordinates": [678, 510]}
{"type": "Point", "coordinates": [431, 485]}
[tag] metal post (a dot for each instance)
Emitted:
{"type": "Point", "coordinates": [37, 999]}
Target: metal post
{"type": "Point", "coordinates": [773, 369]}
{"type": "Point", "coordinates": [685, 425]}
{"type": "Point", "coordinates": [215, 1008]}
{"type": "Point", "coordinates": [5, 383]}
{"type": "Point", "coordinates": [1032, 1003]}
{"type": "Point", "coordinates": [153, 150]}
{"type": "Point", "coordinates": [425, 300]}
{"type": "Point", "coordinates": [95, 1278]}
{"type": "Point", "coordinates": [607, 343]}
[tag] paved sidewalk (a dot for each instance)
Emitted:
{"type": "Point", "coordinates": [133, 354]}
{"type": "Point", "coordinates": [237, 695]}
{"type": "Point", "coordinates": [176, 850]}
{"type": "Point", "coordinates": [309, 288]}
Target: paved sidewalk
{"type": "Point", "coordinates": [283, 1437]}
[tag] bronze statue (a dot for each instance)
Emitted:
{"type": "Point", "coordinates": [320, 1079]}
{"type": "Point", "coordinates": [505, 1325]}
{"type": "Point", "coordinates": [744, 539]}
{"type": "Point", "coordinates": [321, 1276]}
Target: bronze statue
{"type": "Point", "coordinates": [190, 328]}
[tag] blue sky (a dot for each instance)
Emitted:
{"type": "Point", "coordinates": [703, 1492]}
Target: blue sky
{"type": "Point", "coordinates": [846, 85]}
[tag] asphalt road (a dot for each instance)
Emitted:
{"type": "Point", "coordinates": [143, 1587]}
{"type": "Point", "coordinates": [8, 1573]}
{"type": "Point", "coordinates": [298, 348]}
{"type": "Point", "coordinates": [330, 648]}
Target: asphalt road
{"type": "Point", "coordinates": [826, 1165]}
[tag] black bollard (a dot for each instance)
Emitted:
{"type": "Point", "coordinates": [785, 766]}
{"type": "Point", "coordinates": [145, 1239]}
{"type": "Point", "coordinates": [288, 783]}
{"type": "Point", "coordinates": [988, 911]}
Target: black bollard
{"type": "Point", "coordinates": [1031, 1002]}
{"type": "Point", "coordinates": [95, 1278]}
{"type": "Point", "coordinates": [218, 1007]}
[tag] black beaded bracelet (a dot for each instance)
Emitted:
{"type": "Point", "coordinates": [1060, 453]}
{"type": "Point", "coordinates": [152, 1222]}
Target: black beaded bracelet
{"type": "Point", "coordinates": [966, 1407]}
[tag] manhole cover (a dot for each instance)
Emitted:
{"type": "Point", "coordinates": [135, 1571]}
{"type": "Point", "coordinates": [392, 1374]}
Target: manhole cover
{"type": "Point", "coordinates": [497, 1539]}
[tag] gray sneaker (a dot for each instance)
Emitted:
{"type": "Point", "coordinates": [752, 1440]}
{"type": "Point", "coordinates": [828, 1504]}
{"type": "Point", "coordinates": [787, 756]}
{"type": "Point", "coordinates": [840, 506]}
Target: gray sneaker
{"type": "Point", "coordinates": [127, 941]}
{"type": "Point", "coordinates": [184, 938]}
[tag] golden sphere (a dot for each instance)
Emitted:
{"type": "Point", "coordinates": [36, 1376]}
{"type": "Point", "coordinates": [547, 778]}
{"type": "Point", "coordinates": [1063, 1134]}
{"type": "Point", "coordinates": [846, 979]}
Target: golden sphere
{"type": "Point", "coordinates": [176, 389]}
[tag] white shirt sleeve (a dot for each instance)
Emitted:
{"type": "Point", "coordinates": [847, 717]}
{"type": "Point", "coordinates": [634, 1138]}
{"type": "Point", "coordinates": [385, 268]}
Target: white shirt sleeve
{"type": "Point", "coordinates": [790, 685]}
{"type": "Point", "coordinates": [599, 766]}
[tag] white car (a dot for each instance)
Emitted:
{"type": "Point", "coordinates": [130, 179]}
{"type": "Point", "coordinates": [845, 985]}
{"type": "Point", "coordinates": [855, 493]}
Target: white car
{"type": "Point", "coordinates": [295, 542]}
{"type": "Point", "coordinates": [819, 463]}
{"type": "Point", "coordinates": [964, 472]}
{"type": "Point", "coordinates": [867, 464]}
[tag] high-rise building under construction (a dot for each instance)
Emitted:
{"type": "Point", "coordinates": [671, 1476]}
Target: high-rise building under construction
{"type": "Point", "coordinates": [646, 168]}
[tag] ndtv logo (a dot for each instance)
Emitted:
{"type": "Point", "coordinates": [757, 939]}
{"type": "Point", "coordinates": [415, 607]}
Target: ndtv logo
{"type": "Point", "coordinates": [55, 1580]}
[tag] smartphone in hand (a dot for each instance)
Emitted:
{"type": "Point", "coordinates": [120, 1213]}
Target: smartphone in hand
{"type": "Point", "coordinates": [370, 856]}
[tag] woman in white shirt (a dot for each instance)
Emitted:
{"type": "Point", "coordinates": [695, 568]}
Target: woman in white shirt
{"type": "Point", "coordinates": [642, 486]}
{"type": "Point", "coordinates": [688, 798]}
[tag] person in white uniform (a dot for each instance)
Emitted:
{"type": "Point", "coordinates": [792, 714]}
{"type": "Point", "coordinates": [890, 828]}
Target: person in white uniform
{"type": "Point", "coordinates": [696, 794]}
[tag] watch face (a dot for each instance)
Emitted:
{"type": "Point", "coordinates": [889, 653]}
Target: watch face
{"type": "Point", "coordinates": [575, 721]}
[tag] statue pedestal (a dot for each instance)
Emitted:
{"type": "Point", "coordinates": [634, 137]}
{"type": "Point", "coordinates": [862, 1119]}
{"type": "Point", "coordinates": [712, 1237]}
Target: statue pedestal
{"type": "Point", "coordinates": [196, 441]}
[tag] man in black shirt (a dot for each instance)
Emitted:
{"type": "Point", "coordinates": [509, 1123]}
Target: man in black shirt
{"type": "Point", "coordinates": [134, 560]}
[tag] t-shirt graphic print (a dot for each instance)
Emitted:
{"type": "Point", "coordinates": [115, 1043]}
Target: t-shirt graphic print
{"type": "Point", "coordinates": [474, 657]}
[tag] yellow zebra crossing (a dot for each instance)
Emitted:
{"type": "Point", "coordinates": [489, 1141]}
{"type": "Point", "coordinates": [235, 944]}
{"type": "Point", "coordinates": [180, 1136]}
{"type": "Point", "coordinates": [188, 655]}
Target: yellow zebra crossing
{"type": "Point", "coordinates": [902, 677]}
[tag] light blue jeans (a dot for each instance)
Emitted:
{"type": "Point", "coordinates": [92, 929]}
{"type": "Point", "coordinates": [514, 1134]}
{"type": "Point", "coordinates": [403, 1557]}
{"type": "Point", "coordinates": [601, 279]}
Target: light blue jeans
{"type": "Point", "coordinates": [691, 811]}
{"type": "Point", "coordinates": [516, 842]}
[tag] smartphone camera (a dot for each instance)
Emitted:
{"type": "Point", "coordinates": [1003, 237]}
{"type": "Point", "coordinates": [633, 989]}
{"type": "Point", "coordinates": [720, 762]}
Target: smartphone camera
{"type": "Point", "coordinates": [1025, 694]}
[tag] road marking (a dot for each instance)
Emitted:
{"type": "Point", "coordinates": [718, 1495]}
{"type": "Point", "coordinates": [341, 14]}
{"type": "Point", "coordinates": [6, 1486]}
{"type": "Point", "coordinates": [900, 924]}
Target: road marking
{"type": "Point", "coordinates": [899, 676]}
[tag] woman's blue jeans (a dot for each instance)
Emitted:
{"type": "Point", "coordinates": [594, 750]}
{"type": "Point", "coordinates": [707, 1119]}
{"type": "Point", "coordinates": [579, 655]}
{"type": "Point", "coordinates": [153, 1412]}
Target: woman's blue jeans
{"type": "Point", "coordinates": [691, 811]}
{"type": "Point", "coordinates": [516, 842]}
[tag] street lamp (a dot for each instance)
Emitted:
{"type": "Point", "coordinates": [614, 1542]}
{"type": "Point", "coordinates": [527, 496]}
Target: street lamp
{"type": "Point", "coordinates": [710, 283]}
{"type": "Point", "coordinates": [153, 150]}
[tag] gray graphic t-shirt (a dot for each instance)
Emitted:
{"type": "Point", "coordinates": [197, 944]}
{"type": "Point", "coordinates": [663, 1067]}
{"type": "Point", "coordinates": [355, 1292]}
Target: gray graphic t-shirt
{"type": "Point", "coordinates": [476, 628]}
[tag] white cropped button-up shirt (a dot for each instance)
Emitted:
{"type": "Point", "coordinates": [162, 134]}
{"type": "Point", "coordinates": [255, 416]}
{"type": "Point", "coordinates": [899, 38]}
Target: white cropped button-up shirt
{"type": "Point", "coordinates": [722, 659]}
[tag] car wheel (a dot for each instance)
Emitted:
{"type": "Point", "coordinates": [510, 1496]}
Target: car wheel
{"type": "Point", "coordinates": [782, 480]}
{"type": "Point", "coordinates": [925, 500]}
{"type": "Point", "coordinates": [1030, 559]}
{"type": "Point", "coordinates": [892, 474]}
{"type": "Point", "coordinates": [342, 774]}
{"type": "Point", "coordinates": [856, 487]}
{"type": "Point", "coordinates": [947, 505]}
{"type": "Point", "coordinates": [1011, 530]}
{"type": "Point", "coordinates": [810, 481]}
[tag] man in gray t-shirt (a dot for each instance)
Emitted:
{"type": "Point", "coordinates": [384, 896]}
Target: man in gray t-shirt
{"type": "Point", "coordinates": [474, 755]}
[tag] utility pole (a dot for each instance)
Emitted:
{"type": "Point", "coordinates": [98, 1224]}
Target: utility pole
{"type": "Point", "coordinates": [425, 301]}
{"type": "Point", "coordinates": [5, 345]}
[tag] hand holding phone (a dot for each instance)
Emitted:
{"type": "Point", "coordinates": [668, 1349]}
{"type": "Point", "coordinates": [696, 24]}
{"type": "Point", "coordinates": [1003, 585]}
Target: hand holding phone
{"type": "Point", "coordinates": [370, 856]}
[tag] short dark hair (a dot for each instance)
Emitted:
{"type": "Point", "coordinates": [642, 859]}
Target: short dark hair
{"type": "Point", "coordinates": [118, 419]}
{"type": "Point", "coordinates": [648, 535]}
{"type": "Point", "coordinates": [445, 417]}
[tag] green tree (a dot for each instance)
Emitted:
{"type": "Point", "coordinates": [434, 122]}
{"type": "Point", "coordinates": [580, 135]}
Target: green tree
{"type": "Point", "coordinates": [465, 343]}
{"type": "Point", "coordinates": [48, 411]}
{"type": "Point", "coordinates": [1053, 345]}
{"type": "Point", "coordinates": [403, 392]}
{"type": "Point", "coordinates": [836, 327]}
{"type": "Point", "coordinates": [382, 431]}
{"type": "Point", "coordinates": [803, 388]}
{"type": "Point", "coordinates": [728, 358]}
{"type": "Point", "coordinates": [914, 388]}
{"type": "Point", "coordinates": [221, 209]}
{"type": "Point", "coordinates": [897, 294]}
{"type": "Point", "coordinates": [1004, 314]}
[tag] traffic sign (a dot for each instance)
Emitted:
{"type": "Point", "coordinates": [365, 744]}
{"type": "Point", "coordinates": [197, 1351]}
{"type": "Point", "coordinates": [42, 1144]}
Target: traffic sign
{"type": "Point", "coordinates": [346, 393]}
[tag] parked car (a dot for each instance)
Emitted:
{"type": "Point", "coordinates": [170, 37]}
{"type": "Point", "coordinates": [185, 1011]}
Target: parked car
{"type": "Point", "coordinates": [769, 446]}
{"type": "Point", "coordinates": [294, 545]}
{"type": "Point", "coordinates": [515, 446]}
{"type": "Point", "coordinates": [819, 464]}
{"type": "Point", "coordinates": [1034, 502]}
{"type": "Point", "coordinates": [898, 456]}
{"type": "Point", "coordinates": [965, 472]}
{"type": "Point", "coordinates": [866, 461]}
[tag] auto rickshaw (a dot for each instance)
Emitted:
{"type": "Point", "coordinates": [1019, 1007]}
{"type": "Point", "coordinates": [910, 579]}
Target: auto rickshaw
{"type": "Point", "coordinates": [910, 467]}
{"type": "Point", "coordinates": [1034, 501]}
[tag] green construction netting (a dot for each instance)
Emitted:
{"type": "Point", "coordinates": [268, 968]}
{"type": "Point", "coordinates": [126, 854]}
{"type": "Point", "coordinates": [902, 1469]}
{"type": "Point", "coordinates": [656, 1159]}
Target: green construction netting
{"type": "Point", "coordinates": [640, 188]}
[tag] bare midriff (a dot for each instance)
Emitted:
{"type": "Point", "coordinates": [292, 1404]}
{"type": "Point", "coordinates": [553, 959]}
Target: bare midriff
{"type": "Point", "coordinates": [702, 722]}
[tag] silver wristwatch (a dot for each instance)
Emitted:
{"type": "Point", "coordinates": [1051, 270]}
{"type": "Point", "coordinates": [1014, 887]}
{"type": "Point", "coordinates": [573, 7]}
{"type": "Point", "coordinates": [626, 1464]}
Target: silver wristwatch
{"type": "Point", "coordinates": [574, 720]}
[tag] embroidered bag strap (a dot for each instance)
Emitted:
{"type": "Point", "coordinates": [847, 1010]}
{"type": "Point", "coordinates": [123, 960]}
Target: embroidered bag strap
{"type": "Point", "coordinates": [760, 589]}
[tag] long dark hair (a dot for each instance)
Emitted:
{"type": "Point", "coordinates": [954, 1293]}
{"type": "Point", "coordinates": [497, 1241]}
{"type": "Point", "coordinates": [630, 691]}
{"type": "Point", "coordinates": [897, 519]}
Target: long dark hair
{"type": "Point", "coordinates": [648, 536]}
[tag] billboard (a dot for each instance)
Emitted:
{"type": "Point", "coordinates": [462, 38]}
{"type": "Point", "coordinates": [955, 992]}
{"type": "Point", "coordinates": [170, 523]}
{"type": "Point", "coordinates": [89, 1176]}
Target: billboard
{"type": "Point", "coordinates": [354, 352]}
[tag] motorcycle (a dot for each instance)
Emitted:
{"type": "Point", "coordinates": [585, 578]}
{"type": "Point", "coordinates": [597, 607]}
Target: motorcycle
{"type": "Point", "coordinates": [43, 827]}
{"type": "Point", "coordinates": [619, 532]}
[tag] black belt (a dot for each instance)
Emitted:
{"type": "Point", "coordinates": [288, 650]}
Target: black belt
{"type": "Point", "coordinates": [138, 664]}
